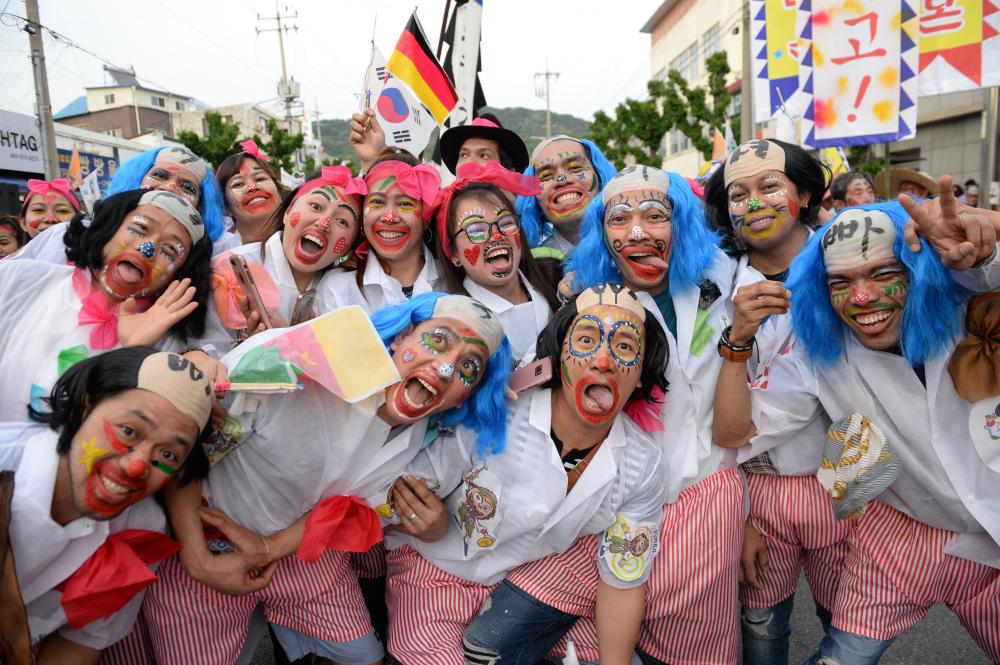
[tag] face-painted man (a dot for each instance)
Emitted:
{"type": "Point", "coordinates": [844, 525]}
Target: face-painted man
{"type": "Point", "coordinates": [568, 182]}
{"type": "Point", "coordinates": [177, 170]}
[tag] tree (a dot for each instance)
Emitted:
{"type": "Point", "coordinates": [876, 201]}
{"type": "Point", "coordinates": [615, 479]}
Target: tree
{"type": "Point", "coordinates": [219, 142]}
{"type": "Point", "coordinates": [280, 147]}
{"type": "Point", "coordinates": [638, 126]}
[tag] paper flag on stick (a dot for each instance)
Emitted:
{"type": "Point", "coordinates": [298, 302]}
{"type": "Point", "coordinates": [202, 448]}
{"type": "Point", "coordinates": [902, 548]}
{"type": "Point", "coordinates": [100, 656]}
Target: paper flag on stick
{"type": "Point", "coordinates": [261, 370]}
{"type": "Point", "coordinates": [341, 351]}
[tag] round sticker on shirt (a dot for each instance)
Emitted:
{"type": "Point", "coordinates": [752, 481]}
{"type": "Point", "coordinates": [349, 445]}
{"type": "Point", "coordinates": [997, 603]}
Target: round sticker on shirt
{"type": "Point", "coordinates": [984, 427]}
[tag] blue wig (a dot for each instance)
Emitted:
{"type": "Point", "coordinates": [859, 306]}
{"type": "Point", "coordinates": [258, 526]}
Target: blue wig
{"type": "Point", "coordinates": [692, 245]}
{"type": "Point", "coordinates": [130, 174]}
{"type": "Point", "coordinates": [930, 316]}
{"type": "Point", "coordinates": [486, 411]}
{"type": "Point", "coordinates": [533, 221]}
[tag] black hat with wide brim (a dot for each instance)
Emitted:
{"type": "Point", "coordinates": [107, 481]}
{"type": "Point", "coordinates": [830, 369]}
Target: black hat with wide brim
{"type": "Point", "coordinates": [510, 142]}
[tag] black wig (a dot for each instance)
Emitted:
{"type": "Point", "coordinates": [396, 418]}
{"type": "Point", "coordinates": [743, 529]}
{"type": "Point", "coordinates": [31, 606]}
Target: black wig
{"type": "Point", "coordinates": [806, 172]}
{"type": "Point", "coordinates": [86, 383]}
{"type": "Point", "coordinates": [85, 244]}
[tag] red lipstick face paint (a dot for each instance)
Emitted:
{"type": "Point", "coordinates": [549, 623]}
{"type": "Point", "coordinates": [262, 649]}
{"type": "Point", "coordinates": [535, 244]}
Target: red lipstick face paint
{"type": "Point", "coordinates": [108, 491]}
{"type": "Point", "coordinates": [127, 274]}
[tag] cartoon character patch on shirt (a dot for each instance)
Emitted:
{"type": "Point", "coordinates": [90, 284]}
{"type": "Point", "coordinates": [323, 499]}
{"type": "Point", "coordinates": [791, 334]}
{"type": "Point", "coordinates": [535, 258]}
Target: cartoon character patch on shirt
{"type": "Point", "coordinates": [478, 514]}
{"type": "Point", "coordinates": [627, 549]}
{"type": "Point", "coordinates": [993, 425]}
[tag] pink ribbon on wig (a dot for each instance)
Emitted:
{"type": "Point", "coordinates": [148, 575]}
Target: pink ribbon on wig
{"type": "Point", "coordinates": [227, 291]}
{"type": "Point", "coordinates": [471, 172]}
{"type": "Point", "coordinates": [336, 176]}
{"type": "Point", "coordinates": [250, 147]}
{"type": "Point", "coordinates": [646, 412]}
{"type": "Point", "coordinates": [421, 182]}
{"type": "Point", "coordinates": [95, 311]}
{"type": "Point", "coordinates": [58, 186]}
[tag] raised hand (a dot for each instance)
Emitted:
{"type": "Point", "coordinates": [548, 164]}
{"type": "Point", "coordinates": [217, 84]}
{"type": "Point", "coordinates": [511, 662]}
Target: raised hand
{"type": "Point", "coordinates": [147, 328]}
{"type": "Point", "coordinates": [367, 137]}
{"type": "Point", "coordinates": [961, 236]}
{"type": "Point", "coordinates": [254, 323]}
{"type": "Point", "coordinates": [752, 304]}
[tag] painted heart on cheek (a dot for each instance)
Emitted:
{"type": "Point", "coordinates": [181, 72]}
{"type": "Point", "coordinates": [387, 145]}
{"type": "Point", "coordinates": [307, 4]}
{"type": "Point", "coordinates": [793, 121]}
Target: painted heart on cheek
{"type": "Point", "coordinates": [472, 254]}
{"type": "Point", "coordinates": [293, 219]}
{"type": "Point", "coordinates": [340, 246]}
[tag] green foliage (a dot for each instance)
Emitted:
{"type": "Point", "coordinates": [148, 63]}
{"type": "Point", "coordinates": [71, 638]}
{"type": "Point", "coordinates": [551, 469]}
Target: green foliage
{"type": "Point", "coordinates": [281, 147]}
{"type": "Point", "coordinates": [638, 126]}
{"type": "Point", "coordinates": [862, 158]}
{"type": "Point", "coordinates": [219, 142]}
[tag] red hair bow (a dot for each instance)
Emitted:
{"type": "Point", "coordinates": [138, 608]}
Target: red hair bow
{"type": "Point", "coordinates": [58, 186]}
{"type": "Point", "coordinates": [471, 172]}
{"type": "Point", "coordinates": [250, 147]}
{"type": "Point", "coordinates": [336, 176]}
{"type": "Point", "coordinates": [421, 182]}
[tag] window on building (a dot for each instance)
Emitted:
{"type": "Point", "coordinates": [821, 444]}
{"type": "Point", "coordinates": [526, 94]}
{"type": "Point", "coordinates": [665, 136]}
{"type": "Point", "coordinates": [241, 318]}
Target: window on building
{"type": "Point", "coordinates": [661, 75]}
{"type": "Point", "coordinates": [228, 119]}
{"type": "Point", "coordinates": [109, 98]}
{"type": "Point", "coordinates": [179, 105]}
{"type": "Point", "coordinates": [679, 142]}
{"type": "Point", "coordinates": [158, 101]}
{"type": "Point", "coordinates": [735, 103]}
{"type": "Point", "coordinates": [686, 63]}
{"type": "Point", "coordinates": [711, 41]}
{"type": "Point", "coordinates": [117, 131]}
{"type": "Point", "coordinates": [262, 125]}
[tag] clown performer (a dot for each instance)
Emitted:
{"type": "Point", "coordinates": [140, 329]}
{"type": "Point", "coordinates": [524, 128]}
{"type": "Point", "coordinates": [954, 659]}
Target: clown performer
{"type": "Point", "coordinates": [395, 259]}
{"type": "Point", "coordinates": [876, 328]}
{"type": "Point", "coordinates": [119, 427]}
{"type": "Point", "coordinates": [252, 193]}
{"type": "Point", "coordinates": [47, 204]}
{"type": "Point", "coordinates": [173, 169]}
{"type": "Point", "coordinates": [12, 236]}
{"type": "Point", "coordinates": [764, 202]}
{"type": "Point", "coordinates": [290, 482]}
{"type": "Point", "coordinates": [647, 230]}
{"type": "Point", "coordinates": [136, 276]}
{"type": "Point", "coordinates": [312, 232]}
{"type": "Point", "coordinates": [571, 172]}
{"type": "Point", "coordinates": [482, 253]}
{"type": "Point", "coordinates": [572, 467]}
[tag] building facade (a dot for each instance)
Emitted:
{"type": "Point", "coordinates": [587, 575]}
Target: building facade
{"type": "Point", "coordinates": [251, 119]}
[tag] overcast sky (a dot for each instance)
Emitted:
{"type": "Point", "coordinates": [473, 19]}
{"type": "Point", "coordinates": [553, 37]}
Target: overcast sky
{"type": "Point", "coordinates": [208, 49]}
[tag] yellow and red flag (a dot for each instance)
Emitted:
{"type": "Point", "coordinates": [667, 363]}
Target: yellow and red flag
{"type": "Point", "coordinates": [74, 171]}
{"type": "Point", "coordinates": [413, 63]}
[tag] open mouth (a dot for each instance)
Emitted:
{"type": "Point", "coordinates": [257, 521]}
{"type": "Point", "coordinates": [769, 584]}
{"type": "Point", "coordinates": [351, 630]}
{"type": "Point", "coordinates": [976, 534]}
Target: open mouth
{"type": "Point", "coordinates": [874, 322]}
{"type": "Point", "coordinates": [390, 235]}
{"type": "Point", "coordinates": [567, 199]}
{"type": "Point", "coordinates": [256, 201]}
{"type": "Point", "coordinates": [500, 258]}
{"type": "Point", "coordinates": [417, 395]}
{"type": "Point", "coordinates": [127, 273]}
{"type": "Point", "coordinates": [596, 401]}
{"type": "Point", "coordinates": [645, 261]}
{"type": "Point", "coordinates": [311, 247]}
{"type": "Point", "coordinates": [107, 487]}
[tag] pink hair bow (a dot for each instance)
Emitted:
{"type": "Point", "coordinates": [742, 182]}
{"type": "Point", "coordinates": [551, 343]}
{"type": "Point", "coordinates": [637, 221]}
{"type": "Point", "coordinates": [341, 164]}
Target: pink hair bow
{"type": "Point", "coordinates": [421, 182]}
{"type": "Point", "coordinates": [336, 176]}
{"type": "Point", "coordinates": [58, 186]}
{"type": "Point", "coordinates": [250, 147]}
{"type": "Point", "coordinates": [471, 172]}
{"type": "Point", "coordinates": [646, 412]}
{"type": "Point", "coordinates": [227, 291]}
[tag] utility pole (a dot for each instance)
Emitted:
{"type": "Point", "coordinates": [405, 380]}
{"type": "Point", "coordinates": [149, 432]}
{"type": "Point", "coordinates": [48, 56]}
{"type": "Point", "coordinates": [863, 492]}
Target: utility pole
{"type": "Point", "coordinates": [34, 29]}
{"type": "Point", "coordinates": [319, 130]}
{"type": "Point", "coordinates": [746, 92]}
{"type": "Point", "coordinates": [288, 91]}
{"type": "Point", "coordinates": [542, 90]}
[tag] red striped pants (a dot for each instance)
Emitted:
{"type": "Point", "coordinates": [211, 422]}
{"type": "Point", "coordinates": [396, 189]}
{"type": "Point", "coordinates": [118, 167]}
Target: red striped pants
{"type": "Point", "coordinates": [192, 623]}
{"type": "Point", "coordinates": [896, 569]}
{"type": "Point", "coordinates": [692, 608]}
{"type": "Point", "coordinates": [428, 609]}
{"type": "Point", "coordinates": [794, 516]}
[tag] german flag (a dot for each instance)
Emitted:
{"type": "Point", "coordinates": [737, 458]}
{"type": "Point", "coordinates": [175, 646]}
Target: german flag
{"type": "Point", "coordinates": [413, 63]}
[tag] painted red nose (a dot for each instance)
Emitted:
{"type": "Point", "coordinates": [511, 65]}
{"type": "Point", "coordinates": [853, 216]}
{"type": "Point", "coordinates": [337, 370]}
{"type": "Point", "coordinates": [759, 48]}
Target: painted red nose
{"type": "Point", "coordinates": [136, 469]}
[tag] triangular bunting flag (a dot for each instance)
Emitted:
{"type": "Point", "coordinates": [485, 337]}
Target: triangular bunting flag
{"type": "Point", "coordinates": [905, 73]}
{"type": "Point", "coordinates": [808, 87]}
{"type": "Point", "coordinates": [763, 73]}
{"type": "Point", "coordinates": [907, 12]}
{"type": "Point", "coordinates": [807, 31]}
{"type": "Point", "coordinates": [807, 61]}
{"type": "Point", "coordinates": [761, 15]}
{"type": "Point", "coordinates": [806, 6]}
{"type": "Point", "coordinates": [763, 53]}
{"type": "Point", "coordinates": [905, 43]}
{"type": "Point", "coordinates": [904, 100]}
{"type": "Point", "coordinates": [762, 35]}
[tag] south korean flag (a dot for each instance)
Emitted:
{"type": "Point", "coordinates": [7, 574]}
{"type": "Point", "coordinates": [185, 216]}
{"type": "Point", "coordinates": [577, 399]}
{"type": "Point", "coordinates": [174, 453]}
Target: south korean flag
{"type": "Point", "coordinates": [406, 122]}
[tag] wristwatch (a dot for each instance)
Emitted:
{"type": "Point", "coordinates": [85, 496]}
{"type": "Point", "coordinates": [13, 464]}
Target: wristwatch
{"type": "Point", "coordinates": [732, 351]}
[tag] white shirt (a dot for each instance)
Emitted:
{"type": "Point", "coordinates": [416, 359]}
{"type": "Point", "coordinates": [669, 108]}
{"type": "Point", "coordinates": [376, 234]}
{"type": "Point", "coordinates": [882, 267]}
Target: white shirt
{"type": "Point", "coordinates": [943, 482]}
{"type": "Point", "coordinates": [558, 241]}
{"type": "Point", "coordinates": [47, 246]}
{"type": "Point", "coordinates": [298, 448]}
{"type": "Point", "coordinates": [692, 372]}
{"type": "Point", "coordinates": [47, 553]}
{"type": "Point", "coordinates": [534, 515]}
{"type": "Point", "coordinates": [521, 323]}
{"type": "Point", "coordinates": [378, 289]}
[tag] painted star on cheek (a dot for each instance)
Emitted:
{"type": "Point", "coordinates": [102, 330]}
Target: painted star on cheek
{"type": "Point", "coordinates": [91, 453]}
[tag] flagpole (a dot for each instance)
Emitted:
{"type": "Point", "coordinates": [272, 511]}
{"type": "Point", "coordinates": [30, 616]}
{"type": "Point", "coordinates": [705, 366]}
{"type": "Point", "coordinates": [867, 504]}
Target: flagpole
{"type": "Point", "coordinates": [444, 26]}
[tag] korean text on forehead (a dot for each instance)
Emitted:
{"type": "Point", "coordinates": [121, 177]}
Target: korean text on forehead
{"type": "Point", "coordinates": [752, 158]}
{"type": "Point", "coordinates": [857, 237]}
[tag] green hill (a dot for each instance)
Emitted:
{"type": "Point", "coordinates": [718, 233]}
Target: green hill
{"type": "Point", "coordinates": [528, 123]}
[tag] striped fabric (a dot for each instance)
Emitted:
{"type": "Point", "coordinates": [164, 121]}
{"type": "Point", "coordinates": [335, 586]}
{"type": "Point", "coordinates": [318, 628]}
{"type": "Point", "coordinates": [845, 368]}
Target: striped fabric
{"type": "Point", "coordinates": [795, 517]}
{"type": "Point", "coordinates": [191, 623]}
{"type": "Point", "coordinates": [566, 581]}
{"type": "Point", "coordinates": [371, 564]}
{"type": "Point", "coordinates": [428, 609]}
{"type": "Point", "coordinates": [134, 649]}
{"type": "Point", "coordinates": [896, 569]}
{"type": "Point", "coordinates": [692, 609]}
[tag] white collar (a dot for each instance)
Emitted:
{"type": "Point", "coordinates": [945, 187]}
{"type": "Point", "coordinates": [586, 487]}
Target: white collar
{"type": "Point", "coordinates": [375, 275]}
{"type": "Point", "coordinates": [498, 304]}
